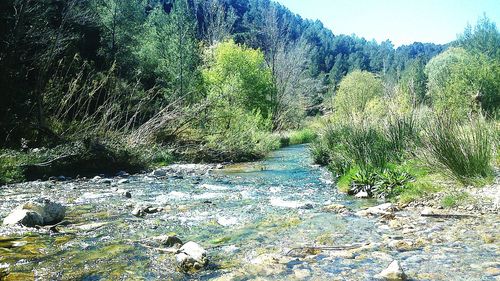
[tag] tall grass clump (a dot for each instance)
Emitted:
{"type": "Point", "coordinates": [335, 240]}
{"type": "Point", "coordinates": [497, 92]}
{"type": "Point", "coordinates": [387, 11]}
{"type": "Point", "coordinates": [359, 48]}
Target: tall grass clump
{"type": "Point", "coordinates": [462, 151]}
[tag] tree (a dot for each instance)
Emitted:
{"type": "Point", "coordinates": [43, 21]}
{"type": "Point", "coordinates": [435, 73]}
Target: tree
{"type": "Point", "coordinates": [120, 21]}
{"type": "Point", "coordinates": [355, 93]}
{"type": "Point", "coordinates": [460, 83]}
{"type": "Point", "coordinates": [169, 52]}
{"type": "Point", "coordinates": [239, 90]}
{"type": "Point", "coordinates": [484, 38]}
{"type": "Point", "coordinates": [215, 20]}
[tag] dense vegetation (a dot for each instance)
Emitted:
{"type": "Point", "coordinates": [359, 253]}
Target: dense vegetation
{"type": "Point", "coordinates": [141, 83]}
{"type": "Point", "coordinates": [439, 122]}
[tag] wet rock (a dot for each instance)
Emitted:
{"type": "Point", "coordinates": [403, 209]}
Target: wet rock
{"type": "Point", "coordinates": [267, 265]}
{"type": "Point", "coordinates": [336, 208]}
{"type": "Point", "coordinates": [138, 211]}
{"type": "Point", "coordinates": [393, 272]}
{"type": "Point", "coordinates": [168, 240]}
{"type": "Point", "coordinates": [401, 245]}
{"type": "Point", "coordinates": [104, 181]}
{"type": "Point", "coordinates": [141, 210]}
{"type": "Point", "coordinates": [191, 257]}
{"type": "Point", "coordinates": [492, 271]}
{"type": "Point", "coordinates": [362, 194]}
{"type": "Point", "coordinates": [302, 273]}
{"type": "Point", "coordinates": [123, 181]}
{"type": "Point", "coordinates": [122, 174]}
{"type": "Point", "coordinates": [160, 173]}
{"type": "Point", "coordinates": [36, 212]}
{"type": "Point", "coordinates": [23, 217]}
{"type": "Point", "coordinates": [307, 206]}
{"type": "Point", "coordinates": [380, 210]}
{"type": "Point", "coordinates": [124, 193]}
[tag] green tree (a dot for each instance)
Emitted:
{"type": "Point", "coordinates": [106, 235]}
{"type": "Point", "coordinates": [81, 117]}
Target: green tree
{"type": "Point", "coordinates": [460, 83]}
{"type": "Point", "coordinates": [169, 52]}
{"type": "Point", "coordinates": [357, 92]}
{"type": "Point", "coordinates": [240, 87]}
{"type": "Point", "coordinates": [483, 38]}
{"type": "Point", "coordinates": [239, 75]}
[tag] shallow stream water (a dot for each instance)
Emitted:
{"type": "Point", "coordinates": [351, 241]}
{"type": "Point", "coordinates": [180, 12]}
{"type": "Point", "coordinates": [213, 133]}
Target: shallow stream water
{"type": "Point", "coordinates": [238, 214]}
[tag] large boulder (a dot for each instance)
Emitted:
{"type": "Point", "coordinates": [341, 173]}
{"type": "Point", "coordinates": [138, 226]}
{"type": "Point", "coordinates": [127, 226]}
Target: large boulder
{"type": "Point", "coordinates": [38, 212]}
{"type": "Point", "coordinates": [393, 272]}
{"type": "Point", "coordinates": [191, 257]}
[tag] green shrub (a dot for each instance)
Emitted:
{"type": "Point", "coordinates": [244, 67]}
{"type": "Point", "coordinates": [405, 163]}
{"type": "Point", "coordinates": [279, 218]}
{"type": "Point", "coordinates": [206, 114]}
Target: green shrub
{"type": "Point", "coordinates": [303, 136]}
{"type": "Point", "coordinates": [402, 133]}
{"type": "Point", "coordinates": [382, 184]}
{"type": "Point", "coordinates": [462, 151]}
{"type": "Point", "coordinates": [10, 170]}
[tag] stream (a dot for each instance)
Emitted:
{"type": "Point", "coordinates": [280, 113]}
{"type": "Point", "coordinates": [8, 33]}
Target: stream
{"type": "Point", "coordinates": [248, 217]}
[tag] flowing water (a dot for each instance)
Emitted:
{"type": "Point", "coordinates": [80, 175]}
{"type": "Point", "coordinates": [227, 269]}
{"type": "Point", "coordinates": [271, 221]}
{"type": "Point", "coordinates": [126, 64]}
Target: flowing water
{"type": "Point", "coordinates": [238, 214]}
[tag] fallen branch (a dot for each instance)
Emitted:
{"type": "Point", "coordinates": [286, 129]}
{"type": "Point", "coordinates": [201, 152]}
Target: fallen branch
{"type": "Point", "coordinates": [312, 249]}
{"type": "Point", "coordinates": [448, 216]}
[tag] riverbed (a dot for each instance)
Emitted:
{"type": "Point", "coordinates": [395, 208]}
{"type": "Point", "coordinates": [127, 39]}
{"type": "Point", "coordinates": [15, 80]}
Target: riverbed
{"type": "Point", "coordinates": [250, 217]}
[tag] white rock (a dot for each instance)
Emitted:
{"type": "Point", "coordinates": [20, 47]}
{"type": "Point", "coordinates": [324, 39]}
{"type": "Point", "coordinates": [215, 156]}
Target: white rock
{"type": "Point", "coordinates": [382, 209]}
{"type": "Point", "coordinates": [123, 181]}
{"type": "Point", "coordinates": [191, 257]}
{"type": "Point", "coordinates": [36, 212]}
{"type": "Point", "coordinates": [23, 217]}
{"type": "Point", "coordinates": [362, 194]}
{"type": "Point", "coordinates": [393, 272]}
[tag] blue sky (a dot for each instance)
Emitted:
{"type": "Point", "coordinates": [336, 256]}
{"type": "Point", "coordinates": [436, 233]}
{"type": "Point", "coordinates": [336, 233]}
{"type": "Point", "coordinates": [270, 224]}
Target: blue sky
{"type": "Point", "coordinates": [401, 21]}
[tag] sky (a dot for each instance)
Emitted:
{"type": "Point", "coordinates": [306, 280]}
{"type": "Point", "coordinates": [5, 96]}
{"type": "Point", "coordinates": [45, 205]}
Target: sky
{"type": "Point", "coordinates": [401, 21]}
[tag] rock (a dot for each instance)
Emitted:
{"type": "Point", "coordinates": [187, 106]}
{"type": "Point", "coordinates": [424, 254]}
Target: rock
{"type": "Point", "coordinates": [362, 194]}
{"type": "Point", "coordinates": [301, 273]}
{"type": "Point", "coordinates": [383, 209]}
{"type": "Point", "coordinates": [307, 206]}
{"type": "Point", "coordinates": [191, 257]}
{"type": "Point", "coordinates": [122, 174]}
{"type": "Point", "coordinates": [124, 193]}
{"type": "Point", "coordinates": [36, 212]}
{"type": "Point", "coordinates": [138, 211]}
{"type": "Point", "coordinates": [427, 211]}
{"type": "Point", "coordinates": [168, 240]}
{"type": "Point", "coordinates": [393, 272]}
{"type": "Point", "coordinates": [123, 181]}
{"type": "Point", "coordinates": [336, 208]}
{"type": "Point", "coordinates": [105, 181]}
{"type": "Point", "coordinates": [141, 210]}
{"type": "Point", "coordinates": [23, 217]}
{"type": "Point", "coordinates": [160, 173]}
{"type": "Point", "coordinates": [492, 271]}
{"type": "Point", "coordinates": [401, 245]}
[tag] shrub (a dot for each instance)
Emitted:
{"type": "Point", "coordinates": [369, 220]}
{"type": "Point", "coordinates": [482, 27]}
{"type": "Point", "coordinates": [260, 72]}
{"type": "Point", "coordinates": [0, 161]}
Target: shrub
{"type": "Point", "coordinates": [462, 151]}
{"type": "Point", "coordinates": [402, 133]}
{"type": "Point", "coordinates": [382, 184]}
{"type": "Point", "coordinates": [303, 136]}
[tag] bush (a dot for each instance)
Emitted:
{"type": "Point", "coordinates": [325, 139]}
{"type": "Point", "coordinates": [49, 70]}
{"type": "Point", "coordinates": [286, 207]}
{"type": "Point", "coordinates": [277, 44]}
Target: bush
{"type": "Point", "coordinates": [382, 184]}
{"type": "Point", "coordinates": [302, 136]}
{"type": "Point", "coordinates": [462, 151]}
